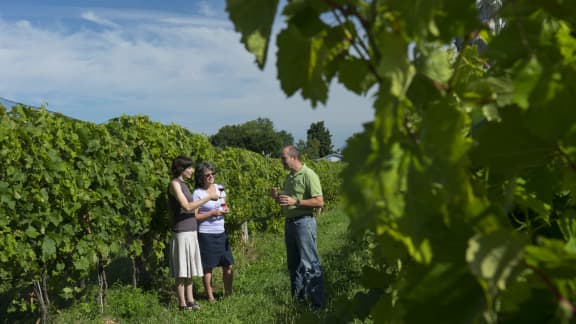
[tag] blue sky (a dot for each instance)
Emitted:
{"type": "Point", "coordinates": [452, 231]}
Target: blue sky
{"type": "Point", "coordinates": [177, 61]}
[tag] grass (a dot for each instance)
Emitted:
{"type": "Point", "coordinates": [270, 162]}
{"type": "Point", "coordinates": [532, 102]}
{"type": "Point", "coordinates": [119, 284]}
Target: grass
{"type": "Point", "coordinates": [261, 287]}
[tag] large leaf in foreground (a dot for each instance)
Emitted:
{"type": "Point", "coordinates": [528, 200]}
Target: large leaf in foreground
{"type": "Point", "coordinates": [254, 20]}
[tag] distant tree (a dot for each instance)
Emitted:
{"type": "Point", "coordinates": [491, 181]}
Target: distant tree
{"type": "Point", "coordinates": [229, 135]}
{"type": "Point", "coordinates": [301, 146]}
{"type": "Point", "coordinates": [285, 138]}
{"type": "Point", "coordinates": [255, 135]}
{"type": "Point", "coordinates": [309, 149]}
{"type": "Point", "coordinates": [318, 132]}
{"type": "Point", "coordinates": [313, 149]}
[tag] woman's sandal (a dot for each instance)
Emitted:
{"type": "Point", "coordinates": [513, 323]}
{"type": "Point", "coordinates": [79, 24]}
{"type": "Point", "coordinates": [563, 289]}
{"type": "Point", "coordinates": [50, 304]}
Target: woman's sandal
{"type": "Point", "coordinates": [193, 305]}
{"type": "Point", "coordinates": [190, 306]}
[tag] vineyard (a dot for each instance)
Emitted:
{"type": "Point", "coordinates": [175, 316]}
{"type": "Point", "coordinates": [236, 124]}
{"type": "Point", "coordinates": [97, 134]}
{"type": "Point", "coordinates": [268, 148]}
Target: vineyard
{"type": "Point", "coordinates": [75, 195]}
{"type": "Point", "coordinates": [461, 187]}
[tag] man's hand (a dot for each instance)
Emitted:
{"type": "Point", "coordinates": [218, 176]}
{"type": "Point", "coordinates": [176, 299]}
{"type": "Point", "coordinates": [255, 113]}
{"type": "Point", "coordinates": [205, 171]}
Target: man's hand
{"type": "Point", "coordinates": [274, 193]}
{"type": "Point", "coordinates": [286, 200]}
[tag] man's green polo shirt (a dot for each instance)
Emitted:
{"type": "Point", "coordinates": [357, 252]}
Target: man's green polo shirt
{"type": "Point", "coordinates": [303, 184]}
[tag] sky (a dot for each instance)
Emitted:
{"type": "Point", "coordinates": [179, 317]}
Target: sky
{"type": "Point", "coordinates": [176, 61]}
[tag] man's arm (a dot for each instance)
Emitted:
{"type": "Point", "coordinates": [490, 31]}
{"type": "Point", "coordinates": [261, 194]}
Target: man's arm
{"type": "Point", "coordinates": [314, 202]}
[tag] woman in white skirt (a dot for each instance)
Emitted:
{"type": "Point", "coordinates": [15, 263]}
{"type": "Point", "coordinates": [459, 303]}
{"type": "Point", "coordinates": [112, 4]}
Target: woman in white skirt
{"type": "Point", "coordinates": [185, 260]}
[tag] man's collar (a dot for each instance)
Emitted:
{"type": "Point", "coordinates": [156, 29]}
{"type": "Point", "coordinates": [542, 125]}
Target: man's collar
{"type": "Point", "coordinates": [300, 169]}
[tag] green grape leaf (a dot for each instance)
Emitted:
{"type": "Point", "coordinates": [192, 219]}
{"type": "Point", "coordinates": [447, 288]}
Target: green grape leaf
{"type": "Point", "coordinates": [552, 115]}
{"type": "Point", "coordinates": [525, 80]}
{"type": "Point", "coordinates": [417, 15]}
{"type": "Point", "coordinates": [31, 232]}
{"type": "Point", "coordinates": [355, 75]}
{"type": "Point", "coordinates": [4, 187]}
{"type": "Point", "coordinates": [509, 147]}
{"type": "Point", "coordinates": [567, 225]}
{"type": "Point", "coordinates": [491, 113]}
{"type": "Point", "coordinates": [498, 91]}
{"type": "Point", "coordinates": [376, 278]}
{"type": "Point", "coordinates": [438, 65]}
{"type": "Point", "coordinates": [82, 263]}
{"type": "Point", "coordinates": [307, 21]}
{"type": "Point", "coordinates": [527, 300]}
{"type": "Point", "coordinates": [567, 43]}
{"type": "Point", "coordinates": [48, 249]}
{"type": "Point", "coordinates": [458, 18]}
{"type": "Point", "coordinates": [552, 257]}
{"type": "Point", "coordinates": [541, 204]}
{"type": "Point", "coordinates": [394, 64]}
{"type": "Point", "coordinates": [440, 293]}
{"type": "Point", "coordinates": [510, 44]}
{"type": "Point", "coordinates": [495, 258]}
{"type": "Point", "coordinates": [67, 293]}
{"type": "Point", "coordinates": [382, 308]}
{"type": "Point", "coordinates": [254, 20]}
{"type": "Point", "coordinates": [6, 198]}
{"type": "Point", "coordinates": [422, 91]}
{"type": "Point", "coordinates": [300, 61]}
{"type": "Point", "coordinates": [442, 132]}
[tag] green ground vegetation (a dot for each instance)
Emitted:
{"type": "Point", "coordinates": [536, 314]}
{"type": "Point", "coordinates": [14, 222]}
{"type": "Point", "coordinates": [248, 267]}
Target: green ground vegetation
{"type": "Point", "coordinates": [261, 287]}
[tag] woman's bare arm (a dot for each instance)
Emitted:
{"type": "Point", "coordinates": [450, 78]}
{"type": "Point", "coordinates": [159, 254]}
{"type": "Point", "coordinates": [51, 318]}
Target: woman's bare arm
{"type": "Point", "coordinates": [184, 203]}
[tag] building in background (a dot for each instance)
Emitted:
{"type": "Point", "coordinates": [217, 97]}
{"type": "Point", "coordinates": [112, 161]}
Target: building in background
{"type": "Point", "coordinates": [333, 157]}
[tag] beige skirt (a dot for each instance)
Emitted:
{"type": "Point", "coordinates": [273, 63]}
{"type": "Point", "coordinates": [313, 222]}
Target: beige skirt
{"type": "Point", "coordinates": [185, 260]}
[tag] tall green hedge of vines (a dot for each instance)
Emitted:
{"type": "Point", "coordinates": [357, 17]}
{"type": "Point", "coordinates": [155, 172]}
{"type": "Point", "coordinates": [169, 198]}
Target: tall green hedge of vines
{"type": "Point", "coordinates": [76, 194]}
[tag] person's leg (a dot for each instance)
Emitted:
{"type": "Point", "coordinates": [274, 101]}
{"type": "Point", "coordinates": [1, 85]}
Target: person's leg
{"type": "Point", "coordinates": [180, 291]}
{"type": "Point", "coordinates": [309, 267]}
{"type": "Point", "coordinates": [293, 260]}
{"type": "Point", "coordinates": [227, 277]}
{"type": "Point", "coordinates": [190, 302]}
{"type": "Point", "coordinates": [207, 280]}
{"type": "Point", "coordinates": [189, 291]}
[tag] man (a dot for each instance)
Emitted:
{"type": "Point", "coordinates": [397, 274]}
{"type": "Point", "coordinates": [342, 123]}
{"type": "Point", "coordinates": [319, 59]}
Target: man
{"type": "Point", "coordinates": [302, 193]}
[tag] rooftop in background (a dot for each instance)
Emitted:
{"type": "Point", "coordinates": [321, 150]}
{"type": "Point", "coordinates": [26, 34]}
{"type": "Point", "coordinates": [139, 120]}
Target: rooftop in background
{"type": "Point", "coordinates": [334, 157]}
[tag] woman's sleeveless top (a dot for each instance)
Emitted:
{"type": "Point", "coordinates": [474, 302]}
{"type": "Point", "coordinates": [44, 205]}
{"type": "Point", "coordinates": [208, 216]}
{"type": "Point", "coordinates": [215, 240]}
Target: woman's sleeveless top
{"type": "Point", "coordinates": [184, 221]}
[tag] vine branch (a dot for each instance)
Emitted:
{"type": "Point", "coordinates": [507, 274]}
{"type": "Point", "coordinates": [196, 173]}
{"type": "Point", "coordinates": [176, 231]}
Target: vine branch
{"type": "Point", "coordinates": [565, 155]}
{"type": "Point", "coordinates": [357, 44]}
{"type": "Point", "coordinates": [552, 287]}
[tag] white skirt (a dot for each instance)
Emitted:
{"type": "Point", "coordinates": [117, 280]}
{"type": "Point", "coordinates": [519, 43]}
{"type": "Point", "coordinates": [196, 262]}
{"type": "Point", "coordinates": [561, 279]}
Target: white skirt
{"type": "Point", "coordinates": [185, 260]}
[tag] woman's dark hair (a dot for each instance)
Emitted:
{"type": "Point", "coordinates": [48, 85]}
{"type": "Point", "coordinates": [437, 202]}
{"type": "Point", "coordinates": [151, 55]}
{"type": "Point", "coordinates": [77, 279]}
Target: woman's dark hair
{"type": "Point", "coordinates": [180, 164]}
{"type": "Point", "coordinates": [199, 178]}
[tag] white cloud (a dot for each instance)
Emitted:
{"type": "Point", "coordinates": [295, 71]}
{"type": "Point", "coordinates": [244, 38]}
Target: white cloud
{"type": "Point", "coordinates": [91, 16]}
{"type": "Point", "coordinates": [205, 8]}
{"type": "Point", "coordinates": [184, 70]}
